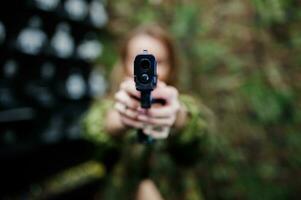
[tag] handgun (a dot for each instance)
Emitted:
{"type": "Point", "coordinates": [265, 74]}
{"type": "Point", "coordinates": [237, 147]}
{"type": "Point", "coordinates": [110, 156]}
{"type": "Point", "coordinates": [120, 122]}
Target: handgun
{"type": "Point", "coordinates": [145, 76]}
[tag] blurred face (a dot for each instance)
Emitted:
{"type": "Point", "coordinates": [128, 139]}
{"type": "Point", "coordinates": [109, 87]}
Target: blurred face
{"type": "Point", "coordinates": [154, 46]}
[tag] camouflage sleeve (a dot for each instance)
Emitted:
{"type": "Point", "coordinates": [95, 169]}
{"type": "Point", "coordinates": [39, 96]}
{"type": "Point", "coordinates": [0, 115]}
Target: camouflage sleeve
{"type": "Point", "coordinates": [93, 123]}
{"type": "Point", "coordinates": [197, 136]}
{"type": "Point", "coordinates": [200, 119]}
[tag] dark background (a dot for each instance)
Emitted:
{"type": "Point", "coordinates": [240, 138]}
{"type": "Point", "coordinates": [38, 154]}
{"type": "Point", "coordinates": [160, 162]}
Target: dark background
{"type": "Point", "coordinates": [48, 52]}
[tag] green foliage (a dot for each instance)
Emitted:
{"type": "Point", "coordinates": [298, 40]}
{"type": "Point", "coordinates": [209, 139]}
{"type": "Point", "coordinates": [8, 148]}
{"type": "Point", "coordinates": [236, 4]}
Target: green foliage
{"type": "Point", "coordinates": [268, 104]}
{"type": "Point", "coordinates": [242, 57]}
{"type": "Point", "coordinates": [271, 11]}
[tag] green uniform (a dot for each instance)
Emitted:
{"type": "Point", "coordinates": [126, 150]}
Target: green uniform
{"type": "Point", "coordinates": [171, 163]}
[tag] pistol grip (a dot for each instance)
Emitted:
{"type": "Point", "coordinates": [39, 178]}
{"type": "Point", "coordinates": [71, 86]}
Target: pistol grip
{"type": "Point", "coordinates": [145, 99]}
{"type": "Point", "coordinates": [143, 138]}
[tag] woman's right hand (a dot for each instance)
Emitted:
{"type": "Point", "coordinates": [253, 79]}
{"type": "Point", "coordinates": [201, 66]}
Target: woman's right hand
{"type": "Point", "coordinates": [127, 104]}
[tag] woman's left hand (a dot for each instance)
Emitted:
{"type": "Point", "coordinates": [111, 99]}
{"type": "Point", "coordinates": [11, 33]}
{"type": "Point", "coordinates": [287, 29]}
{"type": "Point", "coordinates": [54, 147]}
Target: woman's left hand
{"type": "Point", "coordinates": [165, 115]}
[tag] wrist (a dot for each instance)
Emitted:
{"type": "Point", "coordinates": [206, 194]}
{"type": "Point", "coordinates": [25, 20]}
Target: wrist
{"type": "Point", "coordinates": [181, 117]}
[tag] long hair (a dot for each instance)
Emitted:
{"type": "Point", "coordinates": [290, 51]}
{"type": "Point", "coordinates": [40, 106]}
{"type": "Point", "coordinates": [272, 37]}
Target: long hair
{"type": "Point", "coordinates": [154, 31]}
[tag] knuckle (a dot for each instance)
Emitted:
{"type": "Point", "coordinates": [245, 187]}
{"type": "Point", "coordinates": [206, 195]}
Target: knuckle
{"type": "Point", "coordinates": [174, 91]}
{"type": "Point", "coordinates": [117, 108]}
{"type": "Point", "coordinates": [116, 95]}
{"type": "Point", "coordinates": [123, 93]}
{"type": "Point", "coordinates": [129, 113]}
{"type": "Point", "coordinates": [122, 85]}
{"type": "Point", "coordinates": [131, 103]}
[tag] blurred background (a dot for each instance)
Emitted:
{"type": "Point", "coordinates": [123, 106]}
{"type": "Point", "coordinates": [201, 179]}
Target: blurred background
{"type": "Point", "coordinates": [241, 57]}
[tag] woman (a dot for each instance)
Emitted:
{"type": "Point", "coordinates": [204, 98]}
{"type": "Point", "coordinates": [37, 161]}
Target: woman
{"type": "Point", "coordinates": [164, 170]}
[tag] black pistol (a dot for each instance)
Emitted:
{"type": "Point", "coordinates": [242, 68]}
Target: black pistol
{"type": "Point", "coordinates": [145, 76]}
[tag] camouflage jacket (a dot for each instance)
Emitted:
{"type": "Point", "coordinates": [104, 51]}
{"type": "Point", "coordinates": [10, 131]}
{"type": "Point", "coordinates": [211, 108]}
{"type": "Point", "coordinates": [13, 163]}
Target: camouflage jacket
{"type": "Point", "coordinates": [170, 163]}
